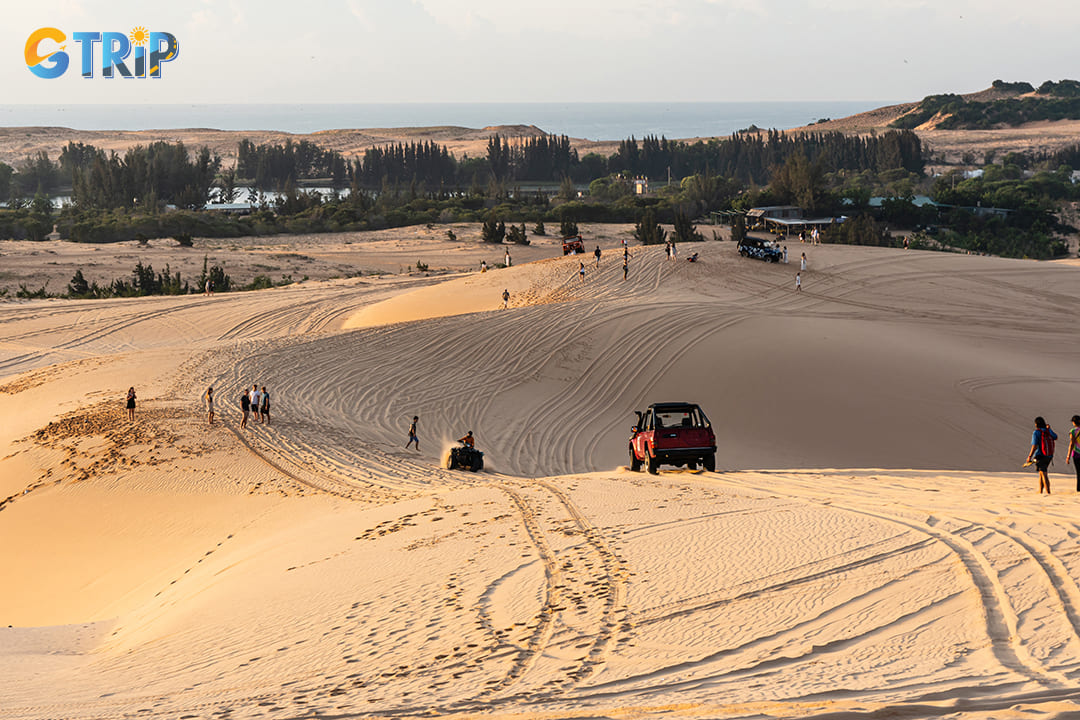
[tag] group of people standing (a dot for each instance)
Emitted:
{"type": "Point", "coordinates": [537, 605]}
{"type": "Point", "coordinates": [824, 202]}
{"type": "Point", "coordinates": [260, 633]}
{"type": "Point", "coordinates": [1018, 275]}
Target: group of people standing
{"type": "Point", "coordinates": [255, 402]}
{"type": "Point", "coordinates": [1042, 451]}
{"type": "Point", "coordinates": [252, 402]}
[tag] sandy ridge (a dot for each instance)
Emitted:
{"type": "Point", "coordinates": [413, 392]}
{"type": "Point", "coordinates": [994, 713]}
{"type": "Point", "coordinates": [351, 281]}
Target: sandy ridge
{"type": "Point", "coordinates": [316, 566]}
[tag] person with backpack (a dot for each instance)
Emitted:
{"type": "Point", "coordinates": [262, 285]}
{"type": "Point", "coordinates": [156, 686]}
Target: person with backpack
{"type": "Point", "coordinates": [1074, 448]}
{"type": "Point", "coordinates": [1042, 452]}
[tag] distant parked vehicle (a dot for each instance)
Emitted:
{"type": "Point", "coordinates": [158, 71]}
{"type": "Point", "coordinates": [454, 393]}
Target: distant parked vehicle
{"type": "Point", "coordinates": [573, 245]}
{"type": "Point", "coordinates": [673, 433]}
{"type": "Point", "coordinates": [760, 249]}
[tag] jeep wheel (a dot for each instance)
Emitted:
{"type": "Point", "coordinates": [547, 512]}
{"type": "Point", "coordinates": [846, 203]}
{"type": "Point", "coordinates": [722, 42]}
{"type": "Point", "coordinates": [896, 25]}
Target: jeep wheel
{"type": "Point", "coordinates": [654, 465]}
{"type": "Point", "coordinates": [450, 461]}
{"type": "Point", "coordinates": [477, 463]}
{"type": "Point", "coordinates": [635, 464]}
{"type": "Point", "coordinates": [709, 463]}
{"type": "Point", "coordinates": [691, 465]}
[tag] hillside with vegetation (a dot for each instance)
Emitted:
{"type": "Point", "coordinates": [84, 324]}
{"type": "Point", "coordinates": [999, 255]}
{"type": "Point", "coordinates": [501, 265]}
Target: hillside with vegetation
{"type": "Point", "coordinates": [1003, 105]}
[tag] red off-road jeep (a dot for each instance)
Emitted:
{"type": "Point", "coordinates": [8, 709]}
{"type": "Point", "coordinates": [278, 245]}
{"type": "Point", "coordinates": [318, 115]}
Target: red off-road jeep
{"type": "Point", "coordinates": [672, 434]}
{"type": "Point", "coordinates": [573, 245]}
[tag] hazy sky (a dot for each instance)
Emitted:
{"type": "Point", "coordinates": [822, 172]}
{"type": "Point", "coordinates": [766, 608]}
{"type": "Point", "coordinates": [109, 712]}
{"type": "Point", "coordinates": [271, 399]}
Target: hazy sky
{"type": "Point", "coordinates": [308, 51]}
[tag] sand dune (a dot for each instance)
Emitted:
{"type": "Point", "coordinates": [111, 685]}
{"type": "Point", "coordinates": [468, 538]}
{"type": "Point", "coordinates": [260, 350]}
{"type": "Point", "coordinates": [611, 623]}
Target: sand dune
{"type": "Point", "coordinates": [869, 549]}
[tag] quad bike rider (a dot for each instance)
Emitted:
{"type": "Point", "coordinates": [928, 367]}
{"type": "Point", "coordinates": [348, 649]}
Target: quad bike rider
{"type": "Point", "coordinates": [466, 457]}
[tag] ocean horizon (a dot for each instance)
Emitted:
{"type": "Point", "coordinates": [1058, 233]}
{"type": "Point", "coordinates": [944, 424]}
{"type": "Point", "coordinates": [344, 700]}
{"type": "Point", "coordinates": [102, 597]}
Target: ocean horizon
{"type": "Point", "coordinates": [591, 121]}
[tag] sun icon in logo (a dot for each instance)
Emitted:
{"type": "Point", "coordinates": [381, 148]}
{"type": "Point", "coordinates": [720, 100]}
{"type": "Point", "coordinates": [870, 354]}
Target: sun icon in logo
{"type": "Point", "coordinates": [139, 36]}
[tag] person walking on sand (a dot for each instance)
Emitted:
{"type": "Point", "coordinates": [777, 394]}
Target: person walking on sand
{"type": "Point", "coordinates": [412, 434]}
{"type": "Point", "coordinates": [674, 251]}
{"type": "Point", "coordinates": [245, 406]}
{"type": "Point", "coordinates": [208, 397]}
{"type": "Point", "coordinates": [597, 254]}
{"type": "Point", "coordinates": [625, 266]}
{"type": "Point", "coordinates": [1042, 452]}
{"type": "Point", "coordinates": [798, 282]}
{"type": "Point", "coordinates": [785, 254]}
{"type": "Point", "coordinates": [264, 408]}
{"type": "Point", "coordinates": [483, 266]}
{"type": "Point", "coordinates": [581, 271]}
{"type": "Point", "coordinates": [131, 403]}
{"type": "Point", "coordinates": [508, 262]}
{"type": "Point", "coordinates": [802, 263]}
{"type": "Point", "coordinates": [506, 298]}
{"type": "Point", "coordinates": [1074, 448]}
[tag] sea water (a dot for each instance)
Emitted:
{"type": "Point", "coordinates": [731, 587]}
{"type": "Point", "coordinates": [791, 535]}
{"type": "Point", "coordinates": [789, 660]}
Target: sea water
{"type": "Point", "coordinates": [592, 121]}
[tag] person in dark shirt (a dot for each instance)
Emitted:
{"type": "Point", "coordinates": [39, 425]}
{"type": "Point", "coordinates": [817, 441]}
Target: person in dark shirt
{"type": "Point", "coordinates": [265, 409]}
{"type": "Point", "coordinates": [412, 434]}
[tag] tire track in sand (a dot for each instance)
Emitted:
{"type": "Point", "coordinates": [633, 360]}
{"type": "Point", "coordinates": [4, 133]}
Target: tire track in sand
{"type": "Point", "coordinates": [999, 617]}
{"type": "Point", "coordinates": [585, 586]}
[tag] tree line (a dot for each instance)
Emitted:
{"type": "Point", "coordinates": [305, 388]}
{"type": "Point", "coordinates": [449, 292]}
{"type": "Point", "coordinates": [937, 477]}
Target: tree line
{"type": "Point", "coordinates": [123, 197]}
{"type": "Point", "coordinates": [170, 174]}
{"type": "Point", "coordinates": [749, 156]}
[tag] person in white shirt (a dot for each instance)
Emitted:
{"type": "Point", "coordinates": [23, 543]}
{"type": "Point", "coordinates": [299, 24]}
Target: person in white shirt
{"type": "Point", "coordinates": [256, 402]}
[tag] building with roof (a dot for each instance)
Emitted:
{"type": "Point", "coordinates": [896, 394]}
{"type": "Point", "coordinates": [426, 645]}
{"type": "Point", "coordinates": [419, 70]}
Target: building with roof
{"type": "Point", "coordinates": [784, 219]}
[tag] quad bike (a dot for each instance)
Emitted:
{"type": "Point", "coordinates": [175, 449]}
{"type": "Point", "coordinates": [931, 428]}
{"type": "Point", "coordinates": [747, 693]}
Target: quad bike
{"type": "Point", "coordinates": [465, 458]}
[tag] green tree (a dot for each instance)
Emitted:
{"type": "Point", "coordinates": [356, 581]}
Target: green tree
{"type": "Point", "coordinates": [516, 235]}
{"type": "Point", "coordinates": [39, 222]}
{"type": "Point", "coordinates": [703, 193]}
{"type": "Point", "coordinates": [145, 282]}
{"type": "Point", "coordinates": [493, 230]}
{"type": "Point", "coordinates": [227, 191]}
{"type": "Point", "coordinates": [539, 228]}
{"type": "Point", "coordinates": [738, 228]}
{"type": "Point", "coordinates": [567, 190]}
{"type": "Point", "coordinates": [6, 173]}
{"type": "Point", "coordinates": [800, 182]}
{"type": "Point", "coordinates": [685, 230]}
{"type": "Point", "coordinates": [568, 228]}
{"type": "Point", "coordinates": [222, 282]}
{"type": "Point", "coordinates": [78, 287]}
{"type": "Point", "coordinates": [647, 231]}
{"type": "Point", "coordinates": [860, 230]}
{"type": "Point", "coordinates": [37, 174]}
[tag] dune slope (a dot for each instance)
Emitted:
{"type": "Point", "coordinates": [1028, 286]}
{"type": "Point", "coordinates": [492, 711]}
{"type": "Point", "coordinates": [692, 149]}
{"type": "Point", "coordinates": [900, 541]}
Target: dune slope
{"type": "Point", "coordinates": [314, 567]}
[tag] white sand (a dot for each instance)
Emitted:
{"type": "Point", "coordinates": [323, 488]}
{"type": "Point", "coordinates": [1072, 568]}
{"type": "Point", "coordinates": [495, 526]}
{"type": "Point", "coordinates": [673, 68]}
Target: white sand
{"type": "Point", "coordinates": [314, 567]}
